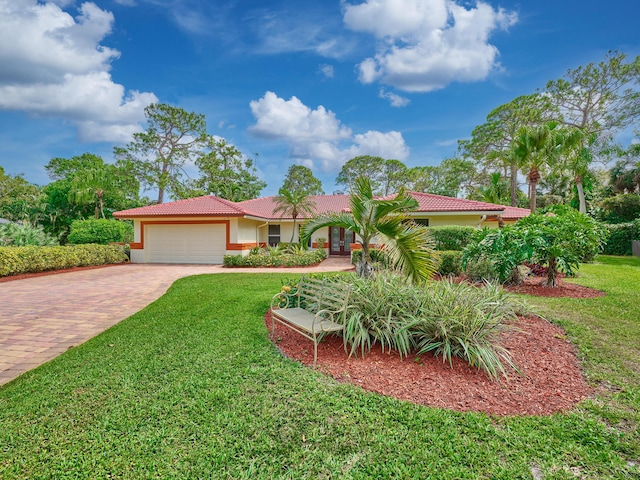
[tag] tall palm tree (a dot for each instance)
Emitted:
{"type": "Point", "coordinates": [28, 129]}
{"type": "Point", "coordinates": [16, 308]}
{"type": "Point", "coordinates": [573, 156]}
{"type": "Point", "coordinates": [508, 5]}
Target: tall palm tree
{"type": "Point", "coordinates": [409, 245]}
{"type": "Point", "coordinates": [537, 147]}
{"type": "Point", "coordinates": [293, 203]}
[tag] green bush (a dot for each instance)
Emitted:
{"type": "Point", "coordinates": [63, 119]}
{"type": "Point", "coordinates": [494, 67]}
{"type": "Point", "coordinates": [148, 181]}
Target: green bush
{"type": "Point", "coordinates": [482, 269]}
{"type": "Point", "coordinates": [30, 259]}
{"type": "Point", "coordinates": [99, 231]}
{"type": "Point", "coordinates": [450, 263]}
{"type": "Point", "coordinates": [273, 257]}
{"type": "Point", "coordinates": [444, 317]}
{"type": "Point", "coordinates": [378, 257]}
{"type": "Point", "coordinates": [14, 234]}
{"type": "Point", "coordinates": [452, 237]}
{"type": "Point", "coordinates": [620, 208]}
{"type": "Point", "coordinates": [620, 237]}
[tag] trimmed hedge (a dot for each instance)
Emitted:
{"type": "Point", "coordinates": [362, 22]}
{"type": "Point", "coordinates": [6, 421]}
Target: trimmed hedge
{"type": "Point", "coordinates": [621, 208]}
{"type": "Point", "coordinates": [452, 237]}
{"type": "Point", "coordinates": [620, 237]}
{"type": "Point", "coordinates": [31, 259]}
{"type": "Point", "coordinates": [100, 231]}
{"type": "Point", "coordinates": [311, 257]}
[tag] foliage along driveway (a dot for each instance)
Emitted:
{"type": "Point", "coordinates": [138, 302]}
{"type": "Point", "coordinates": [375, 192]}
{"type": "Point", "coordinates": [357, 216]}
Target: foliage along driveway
{"type": "Point", "coordinates": [44, 316]}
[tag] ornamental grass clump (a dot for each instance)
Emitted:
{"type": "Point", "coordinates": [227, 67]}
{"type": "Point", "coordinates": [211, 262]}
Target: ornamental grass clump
{"type": "Point", "coordinates": [446, 318]}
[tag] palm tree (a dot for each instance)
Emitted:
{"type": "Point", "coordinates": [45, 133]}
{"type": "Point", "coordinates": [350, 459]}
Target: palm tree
{"type": "Point", "coordinates": [497, 191]}
{"type": "Point", "coordinates": [294, 204]}
{"type": "Point", "coordinates": [536, 147]}
{"type": "Point", "coordinates": [409, 245]}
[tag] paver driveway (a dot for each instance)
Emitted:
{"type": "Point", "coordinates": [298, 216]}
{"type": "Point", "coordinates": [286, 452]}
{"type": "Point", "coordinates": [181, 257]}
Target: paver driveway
{"type": "Point", "coordinates": [41, 317]}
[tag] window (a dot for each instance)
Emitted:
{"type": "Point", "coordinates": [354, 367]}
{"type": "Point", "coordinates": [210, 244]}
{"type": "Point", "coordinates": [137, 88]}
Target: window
{"type": "Point", "coordinates": [422, 221]}
{"type": "Point", "coordinates": [274, 235]}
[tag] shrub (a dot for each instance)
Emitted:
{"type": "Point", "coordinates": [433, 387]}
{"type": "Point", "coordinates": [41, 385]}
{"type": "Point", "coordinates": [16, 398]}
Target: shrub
{"type": "Point", "coordinates": [620, 237]}
{"type": "Point", "coordinates": [379, 258]}
{"type": "Point", "coordinates": [450, 263]}
{"type": "Point", "coordinates": [482, 269]}
{"type": "Point", "coordinates": [274, 257]}
{"type": "Point", "coordinates": [452, 237]}
{"type": "Point", "coordinates": [30, 259]}
{"type": "Point", "coordinates": [22, 235]}
{"type": "Point", "coordinates": [100, 231]}
{"type": "Point", "coordinates": [444, 317]}
{"type": "Point", "coordinates": [620, 208]}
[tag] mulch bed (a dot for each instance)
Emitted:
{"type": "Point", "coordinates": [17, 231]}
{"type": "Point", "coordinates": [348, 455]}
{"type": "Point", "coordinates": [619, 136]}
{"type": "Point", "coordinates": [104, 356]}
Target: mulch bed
{"type": "Point", "coordinates": [550, 381]}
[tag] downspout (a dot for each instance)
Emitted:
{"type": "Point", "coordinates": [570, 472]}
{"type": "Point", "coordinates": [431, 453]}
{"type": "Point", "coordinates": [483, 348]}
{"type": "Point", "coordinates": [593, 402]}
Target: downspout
{"type": "Point", "coordinates": [257, 234]}
{"type": "Point", "coordinates": [482, 219]}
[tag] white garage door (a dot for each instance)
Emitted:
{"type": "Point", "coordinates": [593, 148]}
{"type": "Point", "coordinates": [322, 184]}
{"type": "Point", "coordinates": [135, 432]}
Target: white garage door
{"type": "Point", "coordinates": [185, 243]}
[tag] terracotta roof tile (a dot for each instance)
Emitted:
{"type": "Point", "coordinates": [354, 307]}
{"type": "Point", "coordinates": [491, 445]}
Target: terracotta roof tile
{"type": "Point", "coordinates": [263, 207]}
{"type": "Point", "coordinates": [207, 205]}
{"type": "Point", "coordinates": [515, 213]}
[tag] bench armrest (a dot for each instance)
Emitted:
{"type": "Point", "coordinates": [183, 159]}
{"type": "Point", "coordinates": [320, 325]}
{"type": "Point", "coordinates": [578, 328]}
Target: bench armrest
{"type": "Point", "coordinates": [281, 300]}
{"type": "Point", "coordinates": [329, 316]}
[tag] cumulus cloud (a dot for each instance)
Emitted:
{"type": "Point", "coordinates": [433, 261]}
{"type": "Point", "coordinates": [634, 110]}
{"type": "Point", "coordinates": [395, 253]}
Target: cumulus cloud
{"type": "Point", "coordinates": [316, 137]}
{"type": "Point", "coordinates": [52, 64]}
{"type": "Point", "coordinates": [424, 45]}
{"type": "Point", "coordinates": [394, 99]}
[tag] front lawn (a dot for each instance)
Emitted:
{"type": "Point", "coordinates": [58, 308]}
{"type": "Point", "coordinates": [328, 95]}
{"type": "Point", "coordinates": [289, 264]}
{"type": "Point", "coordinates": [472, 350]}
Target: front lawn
{"type": "Point", "coordinates": [191, 387]}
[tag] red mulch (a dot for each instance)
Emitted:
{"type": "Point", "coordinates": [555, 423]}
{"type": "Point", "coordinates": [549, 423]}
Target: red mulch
{"type": "Point", "coordinates": [551, 379]}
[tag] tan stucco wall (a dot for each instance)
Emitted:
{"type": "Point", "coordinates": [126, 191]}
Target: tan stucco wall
{"type": "Point", "coordinates": [460, 220]}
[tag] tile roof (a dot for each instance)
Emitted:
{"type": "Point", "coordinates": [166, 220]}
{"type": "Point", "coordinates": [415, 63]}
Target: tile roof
{"type": "Point", "coordinates": [428, 202]}
{"type": "Point", "coordinates": [208, 205]}
{"type": "Point", "coordinates": [263, 207]}
{"type": "Point", "coordinates": [515, 213]}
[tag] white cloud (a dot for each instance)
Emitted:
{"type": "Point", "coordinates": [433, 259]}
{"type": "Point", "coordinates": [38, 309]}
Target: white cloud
{"type": "Point", "coordinates": [317, 137]}
{"type": "Point", "coordinates": [424, 45]}
{"type": "Point", "coordinates": [327, 70]}
{"type": "Point", "coordinates": [52, 64]}
{"type": "Point", "coordinates": [394, 99]}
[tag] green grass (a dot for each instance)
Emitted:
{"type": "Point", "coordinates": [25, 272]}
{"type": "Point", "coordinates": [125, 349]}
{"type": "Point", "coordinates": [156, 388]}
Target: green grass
{"type": "Point", "coordinates": [191, 387]}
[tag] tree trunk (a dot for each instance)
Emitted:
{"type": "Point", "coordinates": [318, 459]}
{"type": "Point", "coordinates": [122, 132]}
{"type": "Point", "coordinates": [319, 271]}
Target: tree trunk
{"type": "Point", "coordinates": [532, 197]}
{"type": "Point", "coordinates": [552, 272]}
{"type": "Point", "coordinates": [160, 195]}
{"type": "Point", "coordinates": [514, 184]}
{"type": "Point", "coordinates": [583, 202]}
{"type": "Point", "coordinates": [293, 232]}
{"type": "Point", "coordinates": [364, 268]}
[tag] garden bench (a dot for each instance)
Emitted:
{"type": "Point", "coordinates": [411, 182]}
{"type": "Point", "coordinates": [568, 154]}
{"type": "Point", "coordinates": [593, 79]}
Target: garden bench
{"type": "Point", "coordinates": [316, 308]}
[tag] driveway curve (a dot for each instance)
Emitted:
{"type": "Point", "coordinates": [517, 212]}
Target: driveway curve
{"type": "Point", "coordinates": [42, 317]}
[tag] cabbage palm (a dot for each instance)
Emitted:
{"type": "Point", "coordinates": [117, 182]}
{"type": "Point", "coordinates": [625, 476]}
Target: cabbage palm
{"type": "Point", "coordinates": [409, 245]}
{"type": "Point", "coordinates": [293, 203]}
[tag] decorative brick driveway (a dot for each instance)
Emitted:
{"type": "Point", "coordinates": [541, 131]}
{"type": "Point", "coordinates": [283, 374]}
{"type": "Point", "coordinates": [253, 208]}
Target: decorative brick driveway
{"type": "Point", "coordinates": [41, 317]}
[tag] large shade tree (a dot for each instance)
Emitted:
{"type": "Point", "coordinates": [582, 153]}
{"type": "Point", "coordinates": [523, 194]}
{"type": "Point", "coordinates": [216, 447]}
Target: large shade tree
{"type": "Point", "coordinates": [384, 221]}
{"type": "Point", "coordinates": [224, 172]}
{"type": "Point", "coordinates": [301, 179]}
{"type": "Point", "coordinates": [599, 99]}
{"type": "Point", "coordinates": [158, 155]}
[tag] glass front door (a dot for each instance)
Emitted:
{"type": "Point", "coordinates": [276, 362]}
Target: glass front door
{"type": "Point", "coordinates": [340, 241]}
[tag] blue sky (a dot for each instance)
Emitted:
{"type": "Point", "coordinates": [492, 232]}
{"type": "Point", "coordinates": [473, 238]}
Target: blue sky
{"type": "Point", "coordinates": [293, 81]}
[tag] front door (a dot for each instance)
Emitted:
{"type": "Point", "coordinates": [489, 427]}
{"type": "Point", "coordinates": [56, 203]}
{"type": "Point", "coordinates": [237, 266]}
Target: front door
{"type": "Point", "coordinates": [340, 241]}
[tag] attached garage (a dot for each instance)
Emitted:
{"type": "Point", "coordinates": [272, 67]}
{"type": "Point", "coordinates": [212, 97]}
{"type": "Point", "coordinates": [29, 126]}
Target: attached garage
{"type": "Point", "coordinates": [185, 243]}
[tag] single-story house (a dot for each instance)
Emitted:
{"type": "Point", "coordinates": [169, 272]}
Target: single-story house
{"type": "Point", "coordinates": [204, 229]}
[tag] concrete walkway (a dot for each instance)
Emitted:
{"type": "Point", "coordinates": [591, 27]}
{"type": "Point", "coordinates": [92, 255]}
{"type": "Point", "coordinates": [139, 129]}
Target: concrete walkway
{"type": "Point", "coordinates": [41, 317]}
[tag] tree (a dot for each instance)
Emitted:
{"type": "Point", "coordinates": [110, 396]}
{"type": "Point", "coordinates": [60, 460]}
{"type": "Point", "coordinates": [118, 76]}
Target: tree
{"type": "Point", "coordinates": [293, 203]}
{"type": "Point", "coordinates": [386, 176]}
{"type": "Point", "coordinates": [301, 179]}
{"type": "Point", "coordinates": [85, 186]}
{"type": "Point", "coordinates": [598, 99]}
{"type": "Point", "coordinates": [561, 238]}
{"type": "Point", "coordinates": [361, 166]}
{"type": "Point", "coordinates": [158, 155]}
{"type": "Point", "coordinates": [19, 199]}
{"type": "Point", "coordinates": [496, 192]}
{"type": "Point", "coordinates": [409, 245]}
{"type": "Point", "coordinates": [539, 147]}
{"type": "Point", "coordinates": [490, 142]}
{"type": "Point", "coordinates": [224, 172]}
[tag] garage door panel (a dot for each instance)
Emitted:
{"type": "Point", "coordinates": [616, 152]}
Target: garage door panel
{"type": "Point", "coordinates": [185, 243]}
